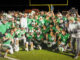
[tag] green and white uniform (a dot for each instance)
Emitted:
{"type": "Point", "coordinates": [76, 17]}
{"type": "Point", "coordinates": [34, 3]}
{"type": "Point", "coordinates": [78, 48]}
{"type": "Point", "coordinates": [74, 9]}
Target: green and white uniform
{"type": "Point", "coordinates": [51, 41]}
{"type": "Point", "coordinates": [21, 35]}
{"type": "Point", "coordinates": [7, 43]}
{"type": "Point", "coordinates": [47, 22]}
{"type": "Point", "coordinates": [64, 38]}
{"type": "Point", "coordinates": [38, 39]}
{"type": "Point", "coordinates": [29, 37]}
{"type": "Point", "coordinates": [51, 38]}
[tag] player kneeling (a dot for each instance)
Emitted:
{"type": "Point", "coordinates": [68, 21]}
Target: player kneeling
{"type": "Point", "coordinates": [51, 40]}
{"type": "Point", "coordinates": [63, 41]}
{"type": "Point", "coordinates": [19, 35]}
{"type": "Point", "coordinates": [38, 40]}
{"type": "Point", "coordinates": [29, 41]}
{"type": "Point", "coordinates": [7, 46]}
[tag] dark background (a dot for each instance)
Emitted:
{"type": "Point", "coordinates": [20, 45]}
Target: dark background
{"type": "Point", "coordinates": [21, 5]}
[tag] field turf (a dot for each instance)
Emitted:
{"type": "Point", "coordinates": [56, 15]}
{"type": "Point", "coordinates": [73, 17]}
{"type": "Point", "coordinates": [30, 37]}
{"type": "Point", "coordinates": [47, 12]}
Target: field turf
{"type": "Point", "coordinates": [41, 55]}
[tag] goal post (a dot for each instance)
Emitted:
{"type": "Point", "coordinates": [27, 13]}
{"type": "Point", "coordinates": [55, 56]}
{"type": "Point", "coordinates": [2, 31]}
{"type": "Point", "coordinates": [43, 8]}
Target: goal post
{"type": "Point", "coordinates": [49, 5]}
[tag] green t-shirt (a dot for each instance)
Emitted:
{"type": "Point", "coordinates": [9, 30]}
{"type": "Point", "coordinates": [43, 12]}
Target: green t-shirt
{"type": "Point", "coordinates": [3, 28]}
{"type": "Point", "coordinates": [8, 25]}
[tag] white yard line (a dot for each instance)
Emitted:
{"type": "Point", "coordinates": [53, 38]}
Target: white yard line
{"type": "Point", "coordinates": [11, 58]}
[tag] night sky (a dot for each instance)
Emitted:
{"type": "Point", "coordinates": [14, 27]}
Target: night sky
{"type": "Point", "coordinates": [21, 5]}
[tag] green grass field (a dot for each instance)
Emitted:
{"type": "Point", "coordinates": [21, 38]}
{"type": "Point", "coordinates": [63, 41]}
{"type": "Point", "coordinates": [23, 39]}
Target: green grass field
{"type": "Point", "coordinates": [41, 55]}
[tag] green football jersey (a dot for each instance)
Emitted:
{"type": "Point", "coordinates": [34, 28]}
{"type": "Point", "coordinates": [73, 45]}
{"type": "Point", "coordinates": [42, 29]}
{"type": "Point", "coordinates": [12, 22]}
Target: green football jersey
{"type": "Point", "coordinates": [64, 18]}
{"type": "Point", "coordinates": [29, 37]}
{"type": "Point", "coordinates": [64, 38]}
{"type": "Point", "coordinates": [30, 27]}
{"type": "Point", "coordinates": [39, 37]}
{"type": "Point", "coordinates": [54, 29]}
{"type": "Point", "coordinates": [22, 32]}
{"type": "Point", "coordinates": [29, 21]}
{"type": "Point", "coordinates": [75, 18]}
{"type": "Point", "coordinates": [9, 36]}
{"type": "Point", "coordinates": [58, 20]}
{"type": "Point", "coordinates": [58, 31]}
{"type": "Point", "coordinates": [45, 31]}
{"type": "Point", "coordinates": [18, 32]}
{"type": "Point", "coordinates": [18, 19]}
{"type": "Point", "coordinates": [51, 38]}
{"type": "Point", "coordinates": [42, 22]}
{"type": "Point", "coordinates": [37, 21]}
{"type": "Point", "coordinates": [44, 16]}
{"type": "Point", "coordinates": [47, 22]}
{"type": "Point", "coordinates": [7, 42]}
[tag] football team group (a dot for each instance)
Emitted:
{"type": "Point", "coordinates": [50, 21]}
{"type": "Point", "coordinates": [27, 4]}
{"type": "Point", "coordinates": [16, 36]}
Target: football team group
{"type": "Point", "coordinates": [39, 30]}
